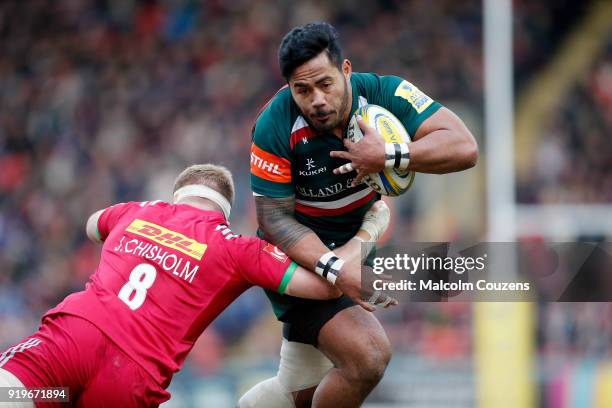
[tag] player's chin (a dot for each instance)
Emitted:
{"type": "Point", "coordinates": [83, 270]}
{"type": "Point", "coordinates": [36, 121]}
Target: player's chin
{"type": "Point", "coordinates": [326, 126]}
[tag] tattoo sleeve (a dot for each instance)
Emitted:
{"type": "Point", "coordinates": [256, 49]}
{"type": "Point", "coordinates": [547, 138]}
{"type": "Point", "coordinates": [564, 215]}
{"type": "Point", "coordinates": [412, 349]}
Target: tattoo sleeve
{"type": "Point", "coordinates": [276, 220]}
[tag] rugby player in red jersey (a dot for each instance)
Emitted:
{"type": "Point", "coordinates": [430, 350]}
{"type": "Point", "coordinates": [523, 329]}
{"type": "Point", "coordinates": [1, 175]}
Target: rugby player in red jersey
{"type": "Point", "coordinates": [166, 271]}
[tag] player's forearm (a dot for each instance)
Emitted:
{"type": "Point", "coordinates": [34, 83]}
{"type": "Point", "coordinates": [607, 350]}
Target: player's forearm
{"type": "Point", "coordinates": [354, 249]}
{"type": "Point", "coordinates": [276, 220]}
{"type": "Point", "coordinates": [305, 284]}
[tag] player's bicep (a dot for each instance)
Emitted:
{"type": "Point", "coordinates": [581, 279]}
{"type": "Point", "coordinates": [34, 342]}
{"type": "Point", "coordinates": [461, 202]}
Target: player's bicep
{"type": "Point", "coordinates": [91, 228]}
{"type": "Point", "coordinates": [261, 263]}
{"type": "Point", "coordinates": [411, 105]}
{"type": "Point", "coordinates": [275, 218]}
{"type": "Point", "coordinates": [443, 119]}
{"type": "Point", "coordinates": [307, 285]}
{"type": "Point", "coordinates": [270, 173]}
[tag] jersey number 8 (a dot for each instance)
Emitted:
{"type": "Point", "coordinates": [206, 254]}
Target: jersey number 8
{"type": "Point", "coordinates": [134, 292]}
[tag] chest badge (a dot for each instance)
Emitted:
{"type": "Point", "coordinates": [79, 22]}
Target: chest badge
{"type": "Point", "coordinates": [310, 164]}
{"type": "Point", "coordinates": [312, 169]}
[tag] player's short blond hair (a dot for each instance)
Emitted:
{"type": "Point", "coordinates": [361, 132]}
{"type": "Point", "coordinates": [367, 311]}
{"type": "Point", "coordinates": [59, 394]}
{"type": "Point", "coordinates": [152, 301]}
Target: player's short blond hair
{"type": "Point", "coordinates": [216, 177]}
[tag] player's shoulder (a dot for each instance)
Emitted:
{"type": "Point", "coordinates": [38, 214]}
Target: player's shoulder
{"type": "Point", "coordinates": [151, 205]}
{"type": "Point", "coordinates": [124, 207]}
{"type": "Point", "coordinates": [273, 126]}
{"type": "Point", "coordinates": [276, 115]}
{"type": "Point", "coordinates": [140, 208]}
{"type": "Point", "coordinates": [376, 87]}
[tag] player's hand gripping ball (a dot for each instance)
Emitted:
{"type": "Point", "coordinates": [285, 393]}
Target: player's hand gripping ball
{"type": "Point", "coordinates": [389, 182]}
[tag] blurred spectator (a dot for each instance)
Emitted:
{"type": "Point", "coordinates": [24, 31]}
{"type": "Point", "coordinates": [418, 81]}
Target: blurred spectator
{"type": "Point", "coordinates": [574, 157]}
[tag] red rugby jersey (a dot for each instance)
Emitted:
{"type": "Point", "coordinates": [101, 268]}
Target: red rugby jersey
{"type": "Point", "coordinates": [166, 271]}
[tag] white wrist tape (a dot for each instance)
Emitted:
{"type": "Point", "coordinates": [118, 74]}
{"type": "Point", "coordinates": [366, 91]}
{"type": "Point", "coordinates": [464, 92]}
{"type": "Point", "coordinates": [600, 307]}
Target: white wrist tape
{"type": "Point", "coordinates": [328, 266]}
{"type": "Point", "coordinates": [376, 220]}
{"type": "Point", "coordinates": [397, 156]}
{"type": "Point", "coordinates": [198, 190]}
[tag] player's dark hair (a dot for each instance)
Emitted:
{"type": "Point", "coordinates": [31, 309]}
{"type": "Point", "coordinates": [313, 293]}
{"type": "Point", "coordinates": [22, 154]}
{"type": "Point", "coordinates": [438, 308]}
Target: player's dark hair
{"type": "Point", "coordinates": [303, 43]}
{"type": "Point", "coordinates": [216, 177]}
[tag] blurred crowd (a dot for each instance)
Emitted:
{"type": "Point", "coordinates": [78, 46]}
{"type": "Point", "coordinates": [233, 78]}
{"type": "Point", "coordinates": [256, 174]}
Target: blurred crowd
{"type": "Point", "coordinates": [574, 154]}
{"type": "Point", "coordinates": [103, 101]}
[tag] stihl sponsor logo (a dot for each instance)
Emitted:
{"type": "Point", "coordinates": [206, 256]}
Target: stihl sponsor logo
{"type": "Point", "coordinates": [264, 165]}
{"type": "Point", "coordinates": [275, 253]}
{"type": "Point", "coordinates": [168, 238]}
{"type": "Point", "coordinates": [269, 166]}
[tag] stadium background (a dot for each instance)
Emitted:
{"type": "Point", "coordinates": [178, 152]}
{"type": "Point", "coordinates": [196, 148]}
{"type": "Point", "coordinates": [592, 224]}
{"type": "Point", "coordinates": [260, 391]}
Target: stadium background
{"type": "Point", "coordinates": [105, 101]}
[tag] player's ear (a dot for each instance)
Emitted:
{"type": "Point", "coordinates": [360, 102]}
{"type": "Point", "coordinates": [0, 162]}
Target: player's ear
{"type": "Point", "coordinates": [347, 69]}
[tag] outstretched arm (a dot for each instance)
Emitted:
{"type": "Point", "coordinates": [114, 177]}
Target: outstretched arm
{"type": "Point", "coordinates": [306, 284]}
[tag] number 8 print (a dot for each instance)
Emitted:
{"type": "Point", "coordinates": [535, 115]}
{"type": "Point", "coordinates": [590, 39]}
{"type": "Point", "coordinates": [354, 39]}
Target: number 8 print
{"type": "Point", "coordinates": [141, 279]}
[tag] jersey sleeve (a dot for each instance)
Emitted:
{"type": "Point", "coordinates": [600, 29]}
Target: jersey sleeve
{"type": "Point", "coordinates": [271, 155]}
{"type": "Point", "coordinates": [111, 216]}
{"type": "Point", "coordinates": [263, 264]}
{"type": "Point", "coordinates": [411, 105]}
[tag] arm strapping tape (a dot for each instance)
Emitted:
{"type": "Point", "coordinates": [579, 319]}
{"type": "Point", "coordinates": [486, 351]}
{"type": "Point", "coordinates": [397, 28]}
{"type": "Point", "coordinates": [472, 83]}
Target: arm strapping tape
{"type": "Point", "coordinates": [397, 156]}
{"type": "Point", "coordinates": [328, 266]}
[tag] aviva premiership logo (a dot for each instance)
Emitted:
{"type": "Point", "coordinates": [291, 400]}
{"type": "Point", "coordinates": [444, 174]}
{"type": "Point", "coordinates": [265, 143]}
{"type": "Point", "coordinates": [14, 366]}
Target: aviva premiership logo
{"type": "Point", "coordinates": [168, 238]}
{"type": "Point", "coordinates": [414, 96]}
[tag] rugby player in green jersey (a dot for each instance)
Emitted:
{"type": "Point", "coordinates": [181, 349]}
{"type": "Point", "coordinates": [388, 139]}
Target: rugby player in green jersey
{"type": "Point", "coordinates": [306, 177]}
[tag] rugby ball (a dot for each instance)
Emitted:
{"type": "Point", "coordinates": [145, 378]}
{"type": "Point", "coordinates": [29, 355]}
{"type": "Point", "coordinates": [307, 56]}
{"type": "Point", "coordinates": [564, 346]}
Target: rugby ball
{"type": "Point", "coordinates": [389, 182]}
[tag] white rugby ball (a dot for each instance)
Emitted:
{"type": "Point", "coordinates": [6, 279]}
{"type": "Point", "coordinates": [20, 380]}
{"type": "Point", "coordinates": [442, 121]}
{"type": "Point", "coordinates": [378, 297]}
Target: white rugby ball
{"type": "Point", "coordinates": [389, 182]}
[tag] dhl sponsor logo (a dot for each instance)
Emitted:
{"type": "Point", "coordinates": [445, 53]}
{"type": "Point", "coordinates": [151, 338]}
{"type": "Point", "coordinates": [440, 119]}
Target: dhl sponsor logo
{"type": "Point", "coordinates": [168, 238]}
{"type": "Point", "coordinates": [269, 166]}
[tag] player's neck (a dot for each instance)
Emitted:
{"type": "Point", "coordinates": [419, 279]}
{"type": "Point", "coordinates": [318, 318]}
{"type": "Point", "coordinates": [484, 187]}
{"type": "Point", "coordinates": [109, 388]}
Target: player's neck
{"type": "Point", "coordinates": [339, 130]}
{"type": "Point", "coordinates": [200, 203]}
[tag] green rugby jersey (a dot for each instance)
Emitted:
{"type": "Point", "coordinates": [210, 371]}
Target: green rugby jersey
{"type": "Point", "coordinates": [290, 158]}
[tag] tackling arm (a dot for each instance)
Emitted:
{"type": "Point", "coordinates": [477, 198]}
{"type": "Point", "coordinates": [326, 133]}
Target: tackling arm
{"type": "Point", "coordinates": [307, 285]}
{"type": "Point", "coordinates": [276, 220]}
{"type": "Point", "coordinates": [275, 217]}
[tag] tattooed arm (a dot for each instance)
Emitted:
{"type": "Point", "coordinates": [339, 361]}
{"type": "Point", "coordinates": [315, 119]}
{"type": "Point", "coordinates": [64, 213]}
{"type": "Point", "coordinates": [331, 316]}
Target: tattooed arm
{"type": "Point", "coordinates": [275, 217]}
{"type": "Point", "coordinates": [276, 220]}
